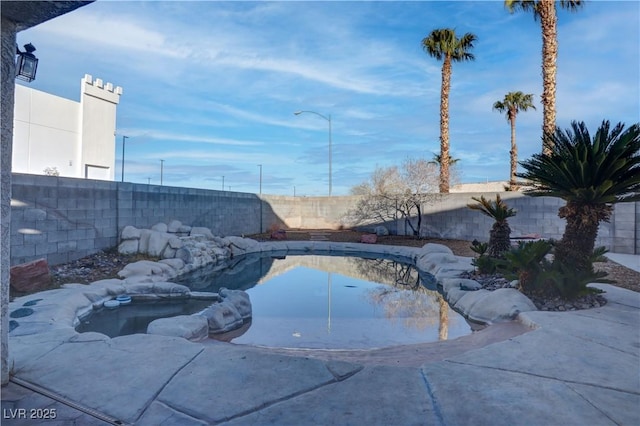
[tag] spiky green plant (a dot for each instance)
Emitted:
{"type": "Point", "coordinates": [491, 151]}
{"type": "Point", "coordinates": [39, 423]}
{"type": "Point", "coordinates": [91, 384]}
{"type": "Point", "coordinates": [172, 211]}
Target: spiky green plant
{"type": "Point", "coordinates": [500, 234]}
{"type": "Point", "coordinates": [526, 263]}
{"type": "Point", "coordinates": [591, 175]}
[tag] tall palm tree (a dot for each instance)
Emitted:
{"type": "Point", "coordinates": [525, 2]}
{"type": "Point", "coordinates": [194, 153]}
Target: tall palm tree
{"type": "Point", "coordinates": [546, 11]}
{"type": "Point", "coordinates": [443, 45]}
{"type": "Point", "coordinates": [513, 103]}
{"type": "Point", "coordinates": [590, 175]}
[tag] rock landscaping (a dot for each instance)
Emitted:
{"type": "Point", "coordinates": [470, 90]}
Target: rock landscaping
{"type": "Point", "coordinates": [182, 249]}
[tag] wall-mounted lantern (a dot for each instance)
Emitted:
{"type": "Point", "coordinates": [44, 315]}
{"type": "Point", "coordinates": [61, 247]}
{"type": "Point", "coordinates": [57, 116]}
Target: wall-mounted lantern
{"type": "Point", "coordinates": [26, 63]}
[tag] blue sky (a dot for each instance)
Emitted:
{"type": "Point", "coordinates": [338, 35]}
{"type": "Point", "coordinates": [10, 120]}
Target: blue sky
{"type": "Point", "coordinates": [211, 87]}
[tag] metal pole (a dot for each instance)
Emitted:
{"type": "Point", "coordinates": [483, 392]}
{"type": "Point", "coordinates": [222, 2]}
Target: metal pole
{"type": "Point", "coordinates": [260, 165]}
{"type": "Point", "coordinates": [330, 156]}
{"type": "Point", "coordinates": [124, 138]}
{"type": "Point", "coordinates": [223, 183]}
{"type": "Point", "coordinates": [328, 118]}
{"type": "Point", "coordinates": [161, 171]}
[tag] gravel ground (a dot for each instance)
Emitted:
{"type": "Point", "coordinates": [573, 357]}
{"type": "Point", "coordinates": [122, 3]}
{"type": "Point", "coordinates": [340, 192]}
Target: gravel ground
{"type": "Point", "coordinates": [107, 264]}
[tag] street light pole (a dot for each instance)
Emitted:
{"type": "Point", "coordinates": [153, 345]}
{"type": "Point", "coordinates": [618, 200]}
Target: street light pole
{"type": "Point", "coordinates": [161, 171]}
{"type": "Point", "coordinates": [260, 165]}
{"type": "Point", "coordinates": [223, 183]}
{"type": "Point", "coordinates": [328, 118]}
{"type": "Point", "coordinates": [124, 138]}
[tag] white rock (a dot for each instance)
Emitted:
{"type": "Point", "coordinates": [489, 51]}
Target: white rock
{"type": "Point", "coordinates": [435, 248]}
{"type": "Point", "coordinates": [130, 232]}
{"type": "Point", "coordinates": [201, 230]}
{"type": "Point", "coordinates": [222, 317]}
{"type": "Point", "coordinates": [145, 234]}
{"type": "Point", "coordinates": [144, 268]}
{"type": "Point", "coordinates": [500, 305]}
{"type": "Point", "coordinates": [185, 255]}
{"type": "Point", "coordinates": [184, 229]}
{"type": "Point", "coordinates": [157, 243]}
{"type": "Point", "coordinates": [175, 242]}
{"type": "Point", "coordinates": [174, 226]}
{"type": "Point", "coordinates": [240, 300]}
{"type": "Point", "coordinates": [176, 264]}
{"type": "Point", "coordinates": [190, 327]}
{"type": "Point", "coordinates": [241, 243]}
{"type": "Point", "coordinates": [168, 253]}
{"type": "Point", "coordinates": [160, 227]}
{"type": "Point", "coordinates": [128, 247]}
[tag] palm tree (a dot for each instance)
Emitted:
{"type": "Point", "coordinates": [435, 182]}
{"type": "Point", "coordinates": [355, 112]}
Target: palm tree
{"type": "Point", "coordinates": [500, 234]}
{"type": "Point", "coordinates": [443, 45]}
{"type": "Point", "coordinates": [513, 103]}
{"type": "Point", "coordinates": [546, 11]}
{"type": "Point", "coordinates": [590, 175]}
{"type": "Point", "coordinates": [437, 160]}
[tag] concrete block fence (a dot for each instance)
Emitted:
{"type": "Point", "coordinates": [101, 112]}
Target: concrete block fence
{"type": "Point", "coordinates": [63, 219]}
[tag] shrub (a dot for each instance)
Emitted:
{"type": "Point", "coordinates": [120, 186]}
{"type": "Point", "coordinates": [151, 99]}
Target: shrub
{"type": "Point", "coordinates": [500, 234]}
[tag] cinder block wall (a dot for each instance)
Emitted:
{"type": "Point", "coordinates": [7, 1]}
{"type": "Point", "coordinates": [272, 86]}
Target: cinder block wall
{"type": "Point", "coordinates": [63, 219]}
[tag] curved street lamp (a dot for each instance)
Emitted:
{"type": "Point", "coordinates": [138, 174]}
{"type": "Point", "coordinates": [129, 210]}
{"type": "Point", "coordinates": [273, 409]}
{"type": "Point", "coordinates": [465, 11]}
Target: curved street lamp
{"type": "Point", "coordinates": [328, 118]}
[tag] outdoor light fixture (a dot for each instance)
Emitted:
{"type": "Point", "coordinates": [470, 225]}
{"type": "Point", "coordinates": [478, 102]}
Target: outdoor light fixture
{"type": "Point", "coordinates": [27, 63]}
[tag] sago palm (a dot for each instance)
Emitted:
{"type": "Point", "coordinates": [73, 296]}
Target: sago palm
{"type": "Point", "coordinates": [546, 11]}
{"type": "Point", "coordinates": [443, 45]}
{"type": "Point", "coordinates": [513, 103]}
{"type": "Point", "coordinates": [590, 175]}
{"type": "Point", "coordinates": [500, 234]}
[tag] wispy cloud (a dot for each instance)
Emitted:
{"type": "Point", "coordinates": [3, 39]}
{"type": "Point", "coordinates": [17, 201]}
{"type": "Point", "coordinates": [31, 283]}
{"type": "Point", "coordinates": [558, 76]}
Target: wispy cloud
{"type": "Point", "coordinates": [211, 87]}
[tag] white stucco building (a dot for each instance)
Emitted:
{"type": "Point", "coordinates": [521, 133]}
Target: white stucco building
{"type": "Point", "coordinates": [75, 138]}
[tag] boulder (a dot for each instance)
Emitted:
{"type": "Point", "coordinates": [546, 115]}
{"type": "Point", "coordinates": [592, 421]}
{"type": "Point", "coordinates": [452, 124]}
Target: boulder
{"type": "Point", "coordinates": [190, 327]}
{"type": "Point", "coordinates": [31, 276]}
{"type": "Point", "coordinates": [381, 231]}
{"type": "Point", "coordinates": [174, 226]}
{"type": "Point", "coordinates": [241, 243]}
{"type": "Point", "coordinates": [130, 233]}
{"type": "Point", "coordinates": [128, 247]}
{"type": "Point", "coordinates": [157, 243]}
{"type": "Point", "coordinates": [185, 255]}
{"type": "Point", "coordinates": [144, 268]}
{"type": "Point", "coordinates": [240, 300]}
{"type": "Point", "coordinates": [174, 263]}
{"type": "Point", "coordinates": [168, 253]}
{"type": "Point", "coordinates": [160, 227]}
{"type": "Point", "coordinates": [470, 285]}
{"type": "Point", "coordinates": [490, 307]}
{"type": "Point", "coordinates": [222, 317]}
{"type": "Point", "coordinates": [145, 234]}
{"type": "Point", "coordinates": [175, 242]}
{"type": "Point", "coordinates": [201, 230]}
{"type": "Point", "coordinates": [435, 248]}
{"type": "Point", "coordinates": [369, 239]}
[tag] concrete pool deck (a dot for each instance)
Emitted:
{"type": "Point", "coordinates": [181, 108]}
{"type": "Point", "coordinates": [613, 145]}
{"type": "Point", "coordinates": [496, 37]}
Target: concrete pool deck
{"type": "Point", "coordinates": [545, 368]}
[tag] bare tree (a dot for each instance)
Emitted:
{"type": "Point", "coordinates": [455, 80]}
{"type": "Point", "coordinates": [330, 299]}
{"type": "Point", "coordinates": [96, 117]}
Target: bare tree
{"type": "Point", "coordinates": [397, 192]}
